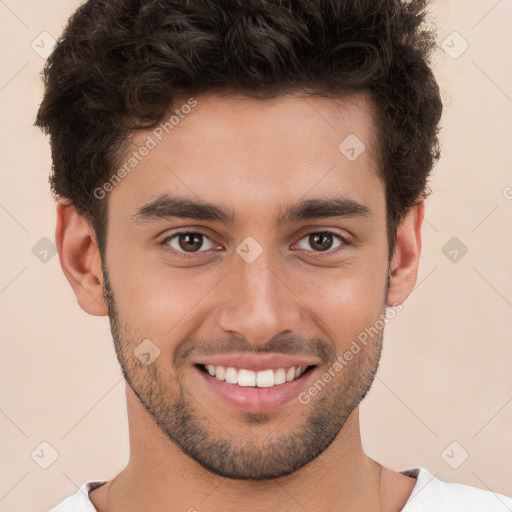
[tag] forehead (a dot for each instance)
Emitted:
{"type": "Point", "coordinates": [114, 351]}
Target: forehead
{"type": "Point", "coordinates": [245, 152]}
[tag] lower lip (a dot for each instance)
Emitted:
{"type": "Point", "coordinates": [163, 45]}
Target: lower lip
{"type": "Point", "coordinates": [253, 399]}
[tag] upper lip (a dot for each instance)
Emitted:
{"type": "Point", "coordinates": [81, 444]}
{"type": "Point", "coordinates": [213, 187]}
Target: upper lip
{"type": "Point", "coordinates": [259, 362]}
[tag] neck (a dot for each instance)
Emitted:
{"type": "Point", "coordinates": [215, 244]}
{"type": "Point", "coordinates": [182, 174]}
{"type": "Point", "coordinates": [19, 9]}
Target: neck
{"type": "Point", "coordinates": [159, 477]}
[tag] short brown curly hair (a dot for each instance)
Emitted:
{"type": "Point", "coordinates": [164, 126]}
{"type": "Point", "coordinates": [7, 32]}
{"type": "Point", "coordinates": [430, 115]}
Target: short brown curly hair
{"type": "Point", "coordinates": [120, 65]}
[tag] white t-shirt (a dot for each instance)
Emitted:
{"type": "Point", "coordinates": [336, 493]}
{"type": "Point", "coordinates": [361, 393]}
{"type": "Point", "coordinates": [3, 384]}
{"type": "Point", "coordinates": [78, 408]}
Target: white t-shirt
{"type": "Point", "coordinates": [429, 495]}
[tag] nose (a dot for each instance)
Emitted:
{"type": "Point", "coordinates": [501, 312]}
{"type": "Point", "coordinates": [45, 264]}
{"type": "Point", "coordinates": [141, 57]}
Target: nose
{"type": "Point", "coordinates": [260, 300]}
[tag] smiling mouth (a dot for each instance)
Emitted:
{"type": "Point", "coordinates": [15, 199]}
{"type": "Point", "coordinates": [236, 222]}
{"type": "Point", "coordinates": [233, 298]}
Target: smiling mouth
{"type": "Point", "coordinates": [258, 379]}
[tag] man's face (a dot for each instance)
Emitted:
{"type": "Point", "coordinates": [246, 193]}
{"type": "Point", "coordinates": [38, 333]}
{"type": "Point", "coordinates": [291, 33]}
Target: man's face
{"type": "Point", "coordinates": [229, 293]}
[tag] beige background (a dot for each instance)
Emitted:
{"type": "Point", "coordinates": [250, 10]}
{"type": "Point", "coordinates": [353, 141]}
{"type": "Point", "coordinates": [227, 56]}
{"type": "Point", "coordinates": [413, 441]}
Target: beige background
{"type": "Point", "coordinates": [445, 374]}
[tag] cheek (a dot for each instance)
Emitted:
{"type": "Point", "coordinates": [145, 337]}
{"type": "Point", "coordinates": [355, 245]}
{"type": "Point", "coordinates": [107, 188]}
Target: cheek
{"type": "Point", "coordinates": [160, 300]}
{"type": "Point", "coordinates": [346, 300]}
{"type": "Point", "coordinates": [156, 297]}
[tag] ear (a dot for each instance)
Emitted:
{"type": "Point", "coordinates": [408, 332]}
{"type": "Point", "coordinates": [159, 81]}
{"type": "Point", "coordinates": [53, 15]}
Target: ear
{"type": "Point", "coordinates": [80, 258]}
{"type": "Point", "coordinates": [405, 261]}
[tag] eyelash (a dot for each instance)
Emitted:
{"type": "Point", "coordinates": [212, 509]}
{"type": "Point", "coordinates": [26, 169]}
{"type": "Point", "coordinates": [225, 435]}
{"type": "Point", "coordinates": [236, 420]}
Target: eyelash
{"type": "Point", "coordinates": [166, 246]}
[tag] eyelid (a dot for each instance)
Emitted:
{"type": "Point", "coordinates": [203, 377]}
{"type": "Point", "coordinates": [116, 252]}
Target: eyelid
{"type": "Point", "coordinates": [165, 243]}
{"type": "Point", "coordinates": [344, 241]}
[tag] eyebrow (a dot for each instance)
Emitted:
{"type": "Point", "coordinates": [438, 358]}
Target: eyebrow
{"type": "Point", "coordinates": [165, 207]}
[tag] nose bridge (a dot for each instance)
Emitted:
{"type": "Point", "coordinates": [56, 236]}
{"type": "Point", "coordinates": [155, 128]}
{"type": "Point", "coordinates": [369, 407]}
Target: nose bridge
{"type": "Point", "coordinates": [259, 304]}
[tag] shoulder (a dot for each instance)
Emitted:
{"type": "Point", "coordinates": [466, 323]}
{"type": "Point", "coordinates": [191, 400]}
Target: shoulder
{"type": "Point", "coordinates": [79, 502]}
{"type": "Point", "coordinates": [433, 495]}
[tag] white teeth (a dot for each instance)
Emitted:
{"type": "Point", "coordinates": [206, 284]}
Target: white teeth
{"type": "Point", "coordinates": [231, 375]}
{"type": "Point", "coordinates": [280, 376]}
{"type": "Point", "coordinates": [265, 379]}
{"type": "Point", "coordinates": [220, 372]}
{"type": "Point", "coordinates": [248, 378]}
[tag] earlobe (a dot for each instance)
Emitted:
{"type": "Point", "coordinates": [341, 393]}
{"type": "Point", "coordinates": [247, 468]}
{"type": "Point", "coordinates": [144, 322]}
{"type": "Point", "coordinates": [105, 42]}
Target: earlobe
{"type": "Point", "coordinates": [80, 259]}
{"type": "Point", "coordinates": [405, 261]}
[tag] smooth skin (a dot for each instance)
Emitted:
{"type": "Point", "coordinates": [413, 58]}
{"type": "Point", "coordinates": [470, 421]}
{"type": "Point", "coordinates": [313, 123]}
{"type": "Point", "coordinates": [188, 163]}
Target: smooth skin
{"type": "Point", "coordinates": [255, 157]}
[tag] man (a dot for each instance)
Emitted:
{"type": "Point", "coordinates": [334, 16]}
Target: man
{"type": "Point", "coordinates": [241, 189]}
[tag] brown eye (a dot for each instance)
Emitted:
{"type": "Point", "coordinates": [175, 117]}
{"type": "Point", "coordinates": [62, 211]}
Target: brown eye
{"type": "Point", "coordinates": [187, 242]}
{"type": "Point", "coordinates": [322, 241]}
